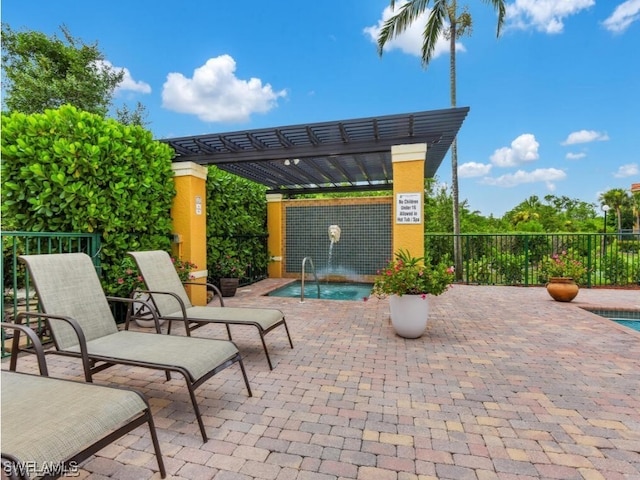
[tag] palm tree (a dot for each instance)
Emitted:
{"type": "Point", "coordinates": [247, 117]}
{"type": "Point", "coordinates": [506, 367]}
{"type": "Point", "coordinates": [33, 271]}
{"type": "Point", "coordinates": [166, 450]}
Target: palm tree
{"type": "Point", "coordinates": [616, 198]}
{"type": "Point", "coordinates": [458, 26]}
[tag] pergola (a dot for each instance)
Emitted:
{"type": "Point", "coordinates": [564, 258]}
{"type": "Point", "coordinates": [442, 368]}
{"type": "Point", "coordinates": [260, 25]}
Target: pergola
{"type": "Point", "coordinates": [346, 155]}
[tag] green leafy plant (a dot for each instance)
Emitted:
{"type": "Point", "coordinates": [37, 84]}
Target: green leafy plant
{"type": "Point", "coordinates": [236, 224]}
{"type": "Point", "coordinates": [183, 268]}
{"type": "Point", "coordinates": [67, 170]}
{"type": "Point", "coordinates": [229, 266]}
{"type": "Point", "coordinates": [126, 277]}
{"type": "Point", "coordinates": [564, 265]}
{"type": "Point", "coordinates": [408, 275]}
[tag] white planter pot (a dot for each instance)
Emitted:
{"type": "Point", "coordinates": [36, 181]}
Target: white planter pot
{"type": "Point", "coordinates": [409, 315]}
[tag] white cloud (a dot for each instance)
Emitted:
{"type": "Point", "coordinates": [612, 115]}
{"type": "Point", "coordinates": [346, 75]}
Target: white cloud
{"type": "Point", "coordinates": [543, 15]}
{"type": "Point", "coordinates": [215, 94]}
{"type": "Point", "coordinates": [628, 170]}
{"type": "Point", "coordinates": [473, 169]}
{"type": "Point", "coordinates": [624, 15]}
{"type": "Point", "coordinates": [575, 156]}
{"type": "Point", "coordinates": [523, 149]}
{"type": "Point", "coordinates": [127, 83]}
{"type": "Point", "coordinates": [546, 175]}
{"type": "Point", "coordinates": [585, 136]}
{"type": "Point", "coordinates": [410, 41]}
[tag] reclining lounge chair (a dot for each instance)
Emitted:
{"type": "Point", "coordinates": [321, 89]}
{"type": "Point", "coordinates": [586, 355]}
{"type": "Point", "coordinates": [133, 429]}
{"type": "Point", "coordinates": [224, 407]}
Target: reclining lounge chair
{"type": "Point", "coordinates": [50, 425]}
{"type": "Point", "coordinates": [172, 303]}
{"type": "Point", "coordinates": [77, 313]}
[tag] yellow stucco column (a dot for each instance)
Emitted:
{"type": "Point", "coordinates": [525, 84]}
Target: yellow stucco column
{"type": "Point", "coordinates": [408, 194]}
{"type": "Point", "coordinates": [190, 223]}
{"type": "Point", "coordinates": [274, 228]}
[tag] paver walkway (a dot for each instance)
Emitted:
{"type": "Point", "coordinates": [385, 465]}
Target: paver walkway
{"type": "Point", "coordinates": [506, 384]}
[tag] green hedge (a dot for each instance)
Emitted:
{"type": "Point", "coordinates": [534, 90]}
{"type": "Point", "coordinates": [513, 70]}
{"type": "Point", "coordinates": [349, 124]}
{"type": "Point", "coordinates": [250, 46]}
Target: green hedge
{"type": "Point", "coordinates": [67, 170]}
{"type": "Point", "coordinates": [236, 223]}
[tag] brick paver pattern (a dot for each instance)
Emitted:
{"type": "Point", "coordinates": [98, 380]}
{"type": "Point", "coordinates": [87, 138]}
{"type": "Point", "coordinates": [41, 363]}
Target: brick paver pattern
{"type": "Point", "coordinates": [505, 384]}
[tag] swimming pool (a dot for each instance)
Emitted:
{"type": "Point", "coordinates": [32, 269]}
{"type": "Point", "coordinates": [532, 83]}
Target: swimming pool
{"type": "Point", "coordinates": [328, 290]}
{"type": "Point", "coordinates": [628, 318]}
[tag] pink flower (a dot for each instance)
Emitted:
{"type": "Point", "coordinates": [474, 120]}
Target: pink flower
{"type": "Point", "coordinates": [120, 281]}
{"type": "Point", "coordinates": [424, 295]}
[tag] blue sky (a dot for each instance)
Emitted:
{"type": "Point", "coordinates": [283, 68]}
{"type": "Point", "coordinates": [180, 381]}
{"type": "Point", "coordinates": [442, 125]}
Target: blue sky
{"type": "Point", "coordinates": [554, 102]}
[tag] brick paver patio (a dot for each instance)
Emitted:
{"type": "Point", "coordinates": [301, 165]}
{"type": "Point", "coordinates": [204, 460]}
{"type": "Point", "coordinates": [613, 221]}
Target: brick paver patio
{"type": "Point", "coordinates": [506, 384]}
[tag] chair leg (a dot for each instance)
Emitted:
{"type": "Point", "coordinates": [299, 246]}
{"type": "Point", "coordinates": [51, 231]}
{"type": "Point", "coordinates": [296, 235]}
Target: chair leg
{"type": "Point", "coordinates": [196, 410]}
{"type": "Point", "coordinates": [228, 331]}
{"type": "Point", "coordinates": [244, 375]}
{"type": "Point", "coordinates": [156, 444]}
{"type": "Point", "coordinates": [287, 330]}
{"type": "Point", "coordinates": [266, 352]}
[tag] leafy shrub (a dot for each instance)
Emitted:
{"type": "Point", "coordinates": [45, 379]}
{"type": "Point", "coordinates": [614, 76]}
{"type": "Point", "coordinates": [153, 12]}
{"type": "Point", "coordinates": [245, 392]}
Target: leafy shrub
{"type": "Point", "coordinates": [236, 224]}
{"type": "Point", "coordinates": [615, 269]}
{"type": "Point", "coordinates": [629, 246]}
{"type": "Point", "coordinates": [480, 271]}
{"type": "Point", "coordinates": [509, 266]}
{"type": "Point", "coordinates": [66, 170]}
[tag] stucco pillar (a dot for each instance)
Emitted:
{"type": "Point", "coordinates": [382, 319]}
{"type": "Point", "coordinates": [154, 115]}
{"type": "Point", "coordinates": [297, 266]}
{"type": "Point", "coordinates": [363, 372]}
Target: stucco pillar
{"type": "Point", "coordinates": [275, 240]}
{"type": "Point", "coordinates": [408, 196]}
{"type": "Point", "coordinates": [189, 217]}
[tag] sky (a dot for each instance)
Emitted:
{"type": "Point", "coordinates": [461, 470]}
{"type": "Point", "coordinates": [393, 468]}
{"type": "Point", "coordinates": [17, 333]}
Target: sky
{"type": "Point", "coordinates": [554, 101]}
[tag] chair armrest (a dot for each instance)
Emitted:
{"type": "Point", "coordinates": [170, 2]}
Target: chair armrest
{"type": "Point", "coordinates": [82, 342]}
{"type": "Point", "coordinates": [177, 298]}
{"type": "Point", "coordinates": [37, 345]}
{"type": "Point", "coordinates": [210, 286]}
{"type": "Point", "coordinates": [132, 301]}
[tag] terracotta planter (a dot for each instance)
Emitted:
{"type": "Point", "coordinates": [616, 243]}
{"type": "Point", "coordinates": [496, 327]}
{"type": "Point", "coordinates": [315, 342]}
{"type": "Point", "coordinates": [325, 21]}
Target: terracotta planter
{"type": "Point", "coordinates": [228, 286]}
{"type": "Point", "coordinates": [562, 289]}
{"type": "Point", "coordinates": [409, 315]}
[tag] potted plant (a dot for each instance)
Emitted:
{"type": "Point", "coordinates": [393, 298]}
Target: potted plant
{"type": "Point", "coordinates": [407, 280]}
{"type": "Point", "coordinates": [229, 269]}
{"type": "Point", "coordinates": [564, 273]}
{"type": "Point", "coordinates": [128, 280]}
{"type": "Point", "coordinates": [123, 278]}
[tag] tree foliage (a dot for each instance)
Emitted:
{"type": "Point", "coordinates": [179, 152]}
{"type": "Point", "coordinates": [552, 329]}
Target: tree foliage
{"type": "Point", "coordinates": [43, 72]}
{"type": "Point", "coordinates": [618, 200]}
{"type": "Point", "coordinates": [66, 170]}
{"type": "Point", "coordinates": [236, 222]}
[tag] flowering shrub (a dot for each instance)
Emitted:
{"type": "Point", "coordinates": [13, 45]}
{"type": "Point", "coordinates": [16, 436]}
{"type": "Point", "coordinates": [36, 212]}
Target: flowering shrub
{"type": "Point", "coordinates": [183, 268]}
{"type": "Point", "coordinates": [229, 266]}
{"type": "Point", "coordinates": [564, 265]}
{"type": "Point", "coordinates": [129, 279]}
{"type": "Point", "coordinates": [407, 275]}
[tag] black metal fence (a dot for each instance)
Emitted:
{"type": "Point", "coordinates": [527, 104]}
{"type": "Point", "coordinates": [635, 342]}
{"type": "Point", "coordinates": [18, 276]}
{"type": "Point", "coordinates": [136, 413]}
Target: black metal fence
{"type": "Point", "coordinates": [611, 259]}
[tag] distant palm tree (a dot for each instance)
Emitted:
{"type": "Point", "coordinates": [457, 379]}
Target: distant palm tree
{"type": "Point", "coordinates": [616, 198]}
{"type": "Point", "coordinates": [458, 25]}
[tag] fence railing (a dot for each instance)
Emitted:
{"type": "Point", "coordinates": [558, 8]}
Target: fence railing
{"type": "Point", "coordinates": [17, 294]}
{"type": "Point", "coordinates": [611, 259]}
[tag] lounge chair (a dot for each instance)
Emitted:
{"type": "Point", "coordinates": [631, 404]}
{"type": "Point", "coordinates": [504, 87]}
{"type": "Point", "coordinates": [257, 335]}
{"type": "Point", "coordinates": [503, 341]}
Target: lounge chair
{"type": "Point", "coordinates": [51, 425]}
{"type": "Point", "coordinates": [78, 316]}
{"type": "Point", "coordinates": [172, 303]}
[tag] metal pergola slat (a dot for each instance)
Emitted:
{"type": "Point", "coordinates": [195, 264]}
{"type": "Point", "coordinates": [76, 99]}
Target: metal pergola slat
{"type": "Point", "coordinates": [345, 155]}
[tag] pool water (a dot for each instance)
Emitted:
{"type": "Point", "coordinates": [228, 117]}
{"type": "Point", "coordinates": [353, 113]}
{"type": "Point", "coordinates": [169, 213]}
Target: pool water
{"type": "Point", "coordinates": [328, 290]}
{"type": "Point", "coordinates": [634, 324]}
{"type": "Point", "coordinates": [628, 318]}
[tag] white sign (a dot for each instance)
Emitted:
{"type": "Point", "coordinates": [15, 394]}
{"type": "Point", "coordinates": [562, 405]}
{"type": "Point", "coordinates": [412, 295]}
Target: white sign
{"type": "Point", "coordinates": [409, 208]}
{"type": "Point", "coordinates": [198, 205]}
